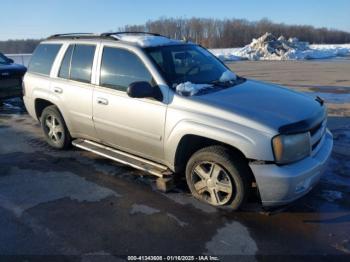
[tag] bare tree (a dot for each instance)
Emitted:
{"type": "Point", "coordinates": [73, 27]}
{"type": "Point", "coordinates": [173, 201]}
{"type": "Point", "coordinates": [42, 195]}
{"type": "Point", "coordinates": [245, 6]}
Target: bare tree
{"type": "Point", "coordinates": [213, 33]}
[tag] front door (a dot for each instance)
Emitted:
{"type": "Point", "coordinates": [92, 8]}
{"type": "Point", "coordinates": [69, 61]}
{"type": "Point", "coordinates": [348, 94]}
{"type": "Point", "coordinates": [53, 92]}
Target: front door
{"type": "Point", "coordinates": [131, 124]}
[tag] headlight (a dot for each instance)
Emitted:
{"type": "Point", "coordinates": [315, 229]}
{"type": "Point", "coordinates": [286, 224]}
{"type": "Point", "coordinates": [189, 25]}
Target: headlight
{"type": "Point", "coordinates": [291, 148]}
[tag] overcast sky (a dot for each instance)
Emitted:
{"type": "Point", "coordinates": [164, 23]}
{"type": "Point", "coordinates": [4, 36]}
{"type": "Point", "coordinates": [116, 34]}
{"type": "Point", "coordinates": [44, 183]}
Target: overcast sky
{"type": "Point", "coordinates": [41, 18]}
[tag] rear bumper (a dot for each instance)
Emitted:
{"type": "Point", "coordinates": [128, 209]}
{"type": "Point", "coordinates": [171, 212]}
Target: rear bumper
{"type": "Point", "coordinates": [279, 185]}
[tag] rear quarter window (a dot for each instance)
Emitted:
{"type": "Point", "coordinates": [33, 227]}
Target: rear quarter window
{"type": "Point", "coordinates": [43, 58]}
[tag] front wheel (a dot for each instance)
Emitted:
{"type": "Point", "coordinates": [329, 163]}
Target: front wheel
{"type": "Point", "coordinates": [54, 127]}
{"type": "Point", "coordinates": [216, 177]}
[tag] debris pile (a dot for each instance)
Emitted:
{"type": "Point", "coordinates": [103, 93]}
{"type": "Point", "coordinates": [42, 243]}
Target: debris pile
{"type": "Point", "coordinates": [269, 47]}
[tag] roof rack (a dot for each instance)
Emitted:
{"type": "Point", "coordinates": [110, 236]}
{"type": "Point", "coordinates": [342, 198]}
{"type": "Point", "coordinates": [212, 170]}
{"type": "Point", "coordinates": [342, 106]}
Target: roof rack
{"type": "Point", "coordinates": [72, 35]}
{"type": "Point", "coordinates": [110, 35]}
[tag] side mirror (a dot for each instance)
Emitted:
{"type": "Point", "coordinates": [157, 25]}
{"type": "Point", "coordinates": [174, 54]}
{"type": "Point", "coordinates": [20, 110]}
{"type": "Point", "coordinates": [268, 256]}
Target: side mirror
{"type": "Point", "coordinates": [142, 90]}
{"type": "Point", "coordinates": [10, 60]}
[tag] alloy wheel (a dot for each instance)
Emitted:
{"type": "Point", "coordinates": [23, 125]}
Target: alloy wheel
{"type": "Point", "coordinates": [212, 183]}
{"type": "Point", "coordinates": [54, 128]}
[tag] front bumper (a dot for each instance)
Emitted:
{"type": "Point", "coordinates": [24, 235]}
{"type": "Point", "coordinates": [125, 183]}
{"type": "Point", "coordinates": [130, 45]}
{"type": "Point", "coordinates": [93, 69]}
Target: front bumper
{"type": "Point", "coordinates": [279, 185]}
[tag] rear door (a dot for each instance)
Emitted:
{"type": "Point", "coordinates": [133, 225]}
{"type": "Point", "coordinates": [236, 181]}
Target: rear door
{"type": "Point", "coordinates": [72, 89]}
{"type": "Point", "coordinates": [131, 124]}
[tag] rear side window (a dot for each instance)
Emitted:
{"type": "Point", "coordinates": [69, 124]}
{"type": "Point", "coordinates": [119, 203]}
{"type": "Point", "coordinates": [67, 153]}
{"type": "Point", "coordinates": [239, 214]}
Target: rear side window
{"type": "Point", "coordinates": [43, 58]}
{"type": "Point", "coordinates": [120, 67]}
{"type": "Point", "coordinates": [77, 63]}
{"type": "Point", "coordinates": [81, 65]}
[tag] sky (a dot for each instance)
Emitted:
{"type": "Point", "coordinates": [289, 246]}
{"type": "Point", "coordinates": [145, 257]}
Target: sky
{"type": "Point", "coordinates": [21, 19]}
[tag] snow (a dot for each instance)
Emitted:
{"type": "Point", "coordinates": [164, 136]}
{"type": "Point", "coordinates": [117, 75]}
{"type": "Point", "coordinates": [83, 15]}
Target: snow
{"type": "Point", "coordinates": [268, 47]}
{"type": "Point", "coordinates": [144, 40]}
{"type": "Point", "coordinates": [22, 59]}
{"type": "Point", "coordinates": [331, 195]}
{"type": "Point", "coordinates": [190, 89]}
{"type": "Point", "coordinates": [227, 76]}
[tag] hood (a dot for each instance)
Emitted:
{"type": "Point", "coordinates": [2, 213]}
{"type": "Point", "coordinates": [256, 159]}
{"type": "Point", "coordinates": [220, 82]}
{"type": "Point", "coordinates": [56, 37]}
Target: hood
{"type": "Point", "coordinates": [12, 69]}
{"type": "Point", "coordinates": [268, 104]}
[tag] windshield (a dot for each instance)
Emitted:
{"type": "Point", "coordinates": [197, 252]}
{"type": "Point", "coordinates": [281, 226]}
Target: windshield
{"type": "Point", "coordinates": [186, 63]}
{"type": "Point", "coordinates": [3, 59]}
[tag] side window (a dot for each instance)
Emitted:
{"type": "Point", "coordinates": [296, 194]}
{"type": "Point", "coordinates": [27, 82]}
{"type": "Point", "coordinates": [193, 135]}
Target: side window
{"type": "Point", "coordinates": [81, 64]}
{"type": "Point", "coordinates": [65, 66]}
{"type": "Point", "coordinates": [43, 58]}
{"type": "Point", "coordinates": [120, 67]}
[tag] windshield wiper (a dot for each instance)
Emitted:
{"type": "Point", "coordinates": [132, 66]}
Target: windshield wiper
{"type": "Point", "coordinates": [223, 84]}
{"type": "Point", "coordinates": [228, 83]}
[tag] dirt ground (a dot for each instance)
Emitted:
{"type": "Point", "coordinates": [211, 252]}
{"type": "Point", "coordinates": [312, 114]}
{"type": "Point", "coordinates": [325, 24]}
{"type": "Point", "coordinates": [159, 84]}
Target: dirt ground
{"type": "Point", "coordinates": [75, 206]}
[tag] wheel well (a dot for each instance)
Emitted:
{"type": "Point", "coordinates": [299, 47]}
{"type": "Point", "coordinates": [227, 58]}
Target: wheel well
{"type": "Point", "coordinates": [40, 105]}
{"type": "Point", "coordinates": [189, 144]}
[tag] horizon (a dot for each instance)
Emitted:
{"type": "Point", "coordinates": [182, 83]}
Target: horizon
{"type": "Point", "coordinates": [111, 15]}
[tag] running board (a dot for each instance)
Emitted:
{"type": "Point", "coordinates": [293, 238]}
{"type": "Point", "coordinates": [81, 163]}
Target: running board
{"type": "Point", "coordinates": [123, 157]}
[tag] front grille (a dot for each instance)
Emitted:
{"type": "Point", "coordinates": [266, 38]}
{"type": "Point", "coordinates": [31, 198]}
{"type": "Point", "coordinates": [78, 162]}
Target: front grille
{"type": "Point", "coordinates": [317, 133]}
{"type": "Point", "coordinates": [10, 83]}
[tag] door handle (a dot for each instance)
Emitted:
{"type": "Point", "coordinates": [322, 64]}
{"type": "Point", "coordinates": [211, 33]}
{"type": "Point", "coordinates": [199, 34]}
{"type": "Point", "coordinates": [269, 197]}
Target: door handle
{"type": "Point", "coordinates": [58, 90]}
{"type": "Point", "coordinates": [102, 101]}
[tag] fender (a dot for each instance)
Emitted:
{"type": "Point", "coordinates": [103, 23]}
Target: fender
{"type": "Point", "coordinates": [253, 144]}
{"type": "Point", "coordinates": [46, 95]}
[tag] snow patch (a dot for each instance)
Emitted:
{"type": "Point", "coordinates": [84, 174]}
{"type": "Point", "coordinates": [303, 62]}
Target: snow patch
{"type": "Point", "coordinates": [232, 239]}
{"type": "Point", "coordinates": [331, 195]}
{"type": "Point", "coordinates": [146, 40]}
{"type": "Point", "coordinates": [227, 76]}
{"type": "Point", "coordinates": [147, 210]}
{"type": "Point", "coordinates": [268, 47]}
{"type": "Point", "coordinates": [190, 89]}
{"type": "Point", "coordinates": [177, 220]}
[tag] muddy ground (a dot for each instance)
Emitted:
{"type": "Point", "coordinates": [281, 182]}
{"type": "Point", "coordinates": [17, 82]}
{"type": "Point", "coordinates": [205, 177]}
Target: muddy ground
{"type": "Point", "coordinates": [75, 206]}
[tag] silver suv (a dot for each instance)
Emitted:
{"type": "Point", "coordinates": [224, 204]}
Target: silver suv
{"type": "Point", "coordinates": [170, 107]}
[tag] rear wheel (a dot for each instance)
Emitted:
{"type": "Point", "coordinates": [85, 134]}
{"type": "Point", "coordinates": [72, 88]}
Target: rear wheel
{"type": "Point", "coordinates": [215, 176]}
{"type": "Point", "coordinates": [54, 127]}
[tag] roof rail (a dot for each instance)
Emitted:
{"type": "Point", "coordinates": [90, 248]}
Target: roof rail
{"type": "Point", "coordinates": [130, 32]}
{"type": "Point", "coordinates": [111, 35]}
{"type": "Point", "coordinates": [71, 35]}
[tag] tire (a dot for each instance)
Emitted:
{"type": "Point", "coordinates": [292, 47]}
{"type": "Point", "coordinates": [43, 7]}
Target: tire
{"type": "Point", "coordinates": [218, 177]}
{"type": "Point", "coordinates": [54, 128]}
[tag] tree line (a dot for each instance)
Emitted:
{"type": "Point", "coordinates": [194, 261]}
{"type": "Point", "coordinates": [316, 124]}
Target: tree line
{"type": "Point", "coordinates": [212, 33]}
{"type": "Point", "coordinates": [24, 46]}
{"type": "Point", "coordinates": [216, 33]}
